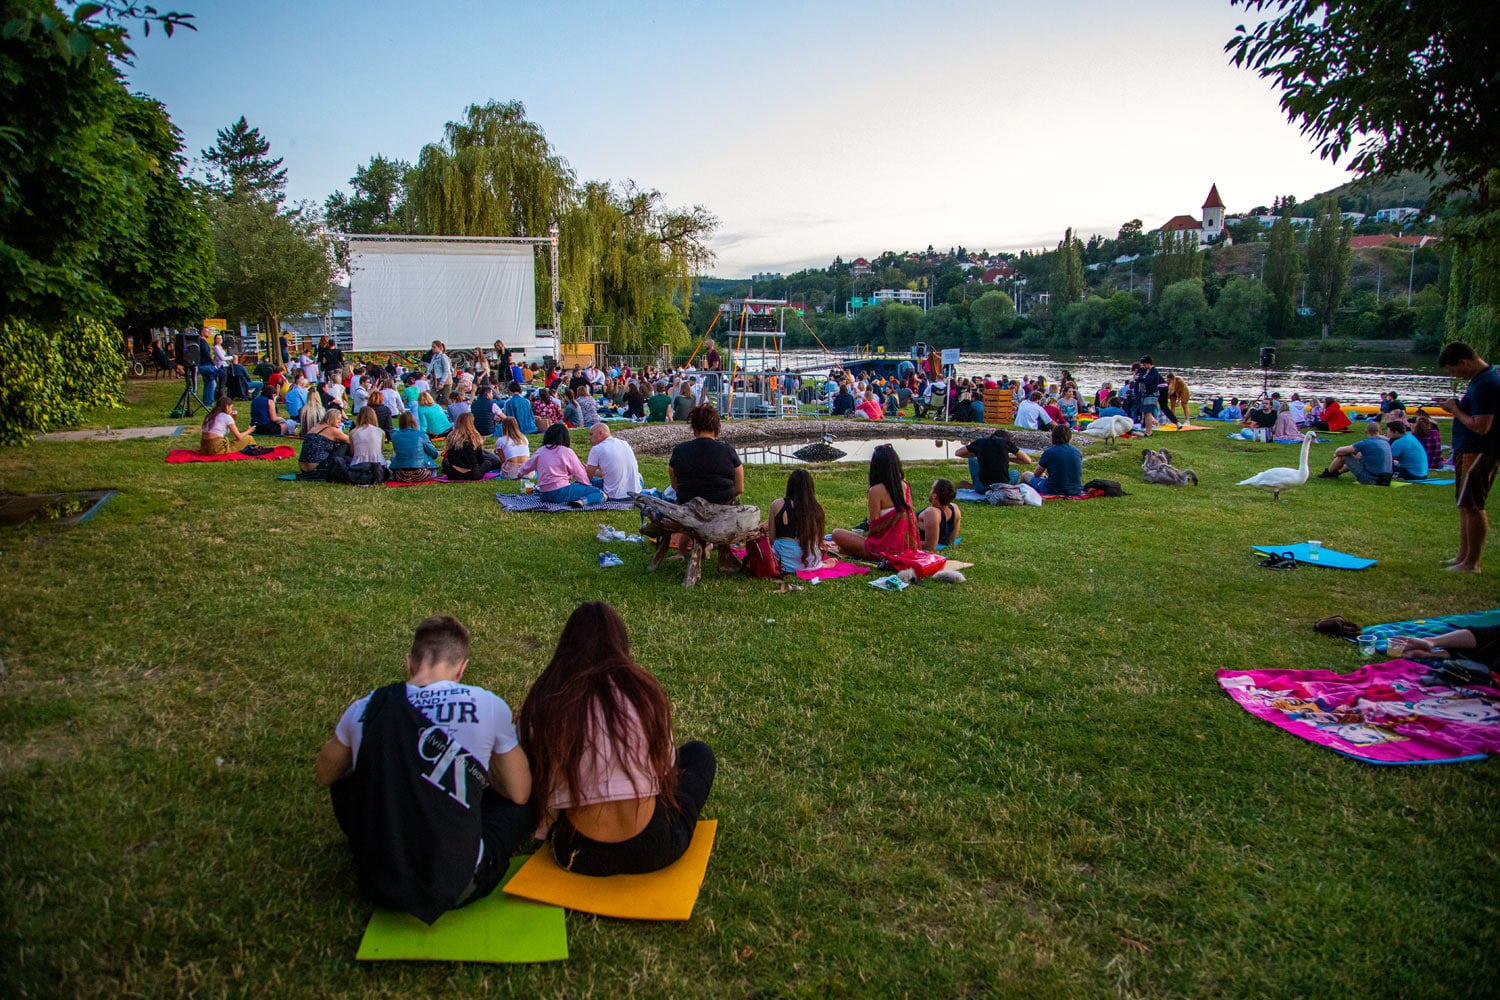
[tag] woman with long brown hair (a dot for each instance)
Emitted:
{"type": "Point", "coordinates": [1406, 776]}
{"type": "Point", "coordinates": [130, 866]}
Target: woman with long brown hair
{"type": "Point", "coordinates": [795, 522]}
{"type": "Point", "coordinates": [892, 522]}
{"type": "Point", "coordinates": [611, 793]}
{"type": "Point", "coordinates": [464, 456]}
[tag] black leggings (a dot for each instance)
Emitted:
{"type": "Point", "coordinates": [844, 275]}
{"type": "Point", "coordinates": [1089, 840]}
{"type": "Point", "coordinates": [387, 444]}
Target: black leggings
{"type": "Point", "coordinates": [665, 837]}
{"type": "Point", "coordinates": [503, 825]}
{"type": "Point", "coordinates": [489, 463]}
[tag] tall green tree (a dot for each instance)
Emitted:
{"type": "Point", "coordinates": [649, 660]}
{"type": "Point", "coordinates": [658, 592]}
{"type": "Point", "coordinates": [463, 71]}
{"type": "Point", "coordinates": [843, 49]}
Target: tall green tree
{"type": "Point", "coordinates": [992, 314]}
{"type": "Point", "coordinates": [1067, 272]}
{"type": "Point", "coordinates": [270, 264]}
{"type": "Point", "coordinates": [240, 165]}
{"type": "Point", "coordinates": [1177, 258]}
{"type": "Point", "coordinates": [378, 204]}
{"type": "Point", "coordinates": [1283, 270]}
{"type": "Point", "coordinates": [93, 216]}
{"type": "Point", "coordinates": [1328, 261]}
{"type": "Point", "coordinates": [624, 253]}
{"type": "Point", "coordinates": [1414, 84]}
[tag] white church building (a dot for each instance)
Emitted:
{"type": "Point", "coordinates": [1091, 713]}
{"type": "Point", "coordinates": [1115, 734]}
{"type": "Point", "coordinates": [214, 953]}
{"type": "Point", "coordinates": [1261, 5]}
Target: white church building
{"type": "Point", "coordinates": [1209, 227]}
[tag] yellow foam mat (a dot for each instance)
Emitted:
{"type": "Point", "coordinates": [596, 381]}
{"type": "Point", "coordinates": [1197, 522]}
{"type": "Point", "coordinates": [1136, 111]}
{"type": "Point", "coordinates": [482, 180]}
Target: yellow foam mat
{"type": "Point", "coordinates": [665, 895]}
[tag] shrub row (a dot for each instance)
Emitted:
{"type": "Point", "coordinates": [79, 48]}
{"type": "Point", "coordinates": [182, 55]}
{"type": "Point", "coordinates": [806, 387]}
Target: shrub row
{"type": "Point", "coordinates": [49, 376]}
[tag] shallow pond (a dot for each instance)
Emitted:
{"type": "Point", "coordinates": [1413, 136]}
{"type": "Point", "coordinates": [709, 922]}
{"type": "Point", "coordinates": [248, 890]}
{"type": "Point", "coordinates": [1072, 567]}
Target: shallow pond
{"type": "Point", "coordinates": [907, 449]}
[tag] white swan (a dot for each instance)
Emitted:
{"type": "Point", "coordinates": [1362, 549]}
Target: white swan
{"type": "Point", "coordinates": [1273, 481]}
{"type": "Point", "coordinates": [1108, 428]}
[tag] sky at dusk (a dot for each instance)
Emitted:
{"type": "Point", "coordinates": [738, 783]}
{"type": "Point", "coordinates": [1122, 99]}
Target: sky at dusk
{"type": "Point", "coordinates": [810, 130]}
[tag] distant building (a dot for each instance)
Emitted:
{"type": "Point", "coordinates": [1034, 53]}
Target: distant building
{"type": "Point", "coordinates": [1003, 271]}
{"type": "Point", "coordinates": [900, 296]}
{"type": "Point", "coordinates": [1404, 242]}
{"type": "Point", "coordinates": [860, 267]}
{"type": "Point", "coordinates": [1354, 217]}
{"type": "Point", "coordinates": [1397, 214]}
{"type": "Point", "coordinates": [1209, 226]}
{"type": "Point", "coordinates": [766, 276]}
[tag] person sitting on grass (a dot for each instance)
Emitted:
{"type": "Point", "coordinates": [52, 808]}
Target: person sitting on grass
{"type": "Point", "coordinates": [869, 407]}
{"type": "Point", "coordinates": [1369, 460]}
{"type": "Point", "coordinates": [795, 522]}
{"type": "Point", "coordinates": [570, 412]}
{"type": "Point", "coordinates": [414, 460]}
{"type": "Point", "coordinates": [321, 443]}
{"type": "Point", "coordinates": [1332, 418]}
{"type": "Point", "coordinates": [296, 397]}
{"type": "Point", "coordinates": [560, 477]}
{"type": "Point", "coordinates": [1059, 468]}
{"type": "Point", "coordinates": [1030, 415]}
{"type": "Point", "coordinates": [432, 418]}
{"type": "Point", "coordinates": [545, 410]}
{"type": "Point", "coordinates": [367, 440]}
{"type": "Point", "coordinates": [659, 405]}
{"type": "Point", "coordinates": [1430, 438]}
{"type": "Point", "coordinates": [464, 456]}
{"type": "Point", "coordinates": [892, 521]}
{"type": "Point", "coordinates": [1476, 647]}
{"type": "Point", "coordinates": [937, 523]}
{"type": "Point", "coordinates": [219, 429]}
{"type": "Point", "coordinates": [1408, 457]}
{"type": "Point", "coordinates": [513, 447]}
{"type": "Point", "coordinates": [989, 460]}
{"type": "Point", "coordinates": [1113, 408]}
{"type": "Point", "coordinates": [611, 464]}
{"type": "Point", "coordinates": [1285, 430]}
{"type": "Point", "coordinates": [428, 781]}
{"type": "Point", "coordinates": [610, 792]}
{"type": "Point", "coordinates": [313, 413]}
{"type": "Point", "coordinates": [588, 407]}
{"type": "Point", "coordinates": [263, 418]}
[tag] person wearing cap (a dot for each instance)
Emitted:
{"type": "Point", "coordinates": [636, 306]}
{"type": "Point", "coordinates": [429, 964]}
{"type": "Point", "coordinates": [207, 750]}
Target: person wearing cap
{"type": "Point", "coordinates": [1148, 386]}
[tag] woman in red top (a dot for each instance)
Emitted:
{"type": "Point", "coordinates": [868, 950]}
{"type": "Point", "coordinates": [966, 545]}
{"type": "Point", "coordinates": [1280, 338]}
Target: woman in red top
{"type": "Point", "coordinates": [1334, 417]}
{"type": "Point", "coordinates": [611, 792]}
{"type": "Point", "coordinates": [893, 522]}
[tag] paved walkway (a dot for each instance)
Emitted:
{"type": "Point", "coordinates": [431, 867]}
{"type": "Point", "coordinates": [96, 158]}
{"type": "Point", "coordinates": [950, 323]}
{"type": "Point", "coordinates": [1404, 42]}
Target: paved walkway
{"type": "Point", "coordinates": [112, 434]}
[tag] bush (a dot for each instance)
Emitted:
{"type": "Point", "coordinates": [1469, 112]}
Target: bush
{"type": "Point", "coordinates": [49, 376]}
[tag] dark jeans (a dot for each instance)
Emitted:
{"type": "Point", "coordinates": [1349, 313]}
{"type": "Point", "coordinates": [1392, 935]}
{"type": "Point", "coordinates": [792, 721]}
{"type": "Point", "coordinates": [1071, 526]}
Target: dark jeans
{"type": "Point", "coordinates": [503, 825]}
{"type": "Point", "coordinates": [490, 463]}
{"type": "Point", "coordinates": [665, 837]}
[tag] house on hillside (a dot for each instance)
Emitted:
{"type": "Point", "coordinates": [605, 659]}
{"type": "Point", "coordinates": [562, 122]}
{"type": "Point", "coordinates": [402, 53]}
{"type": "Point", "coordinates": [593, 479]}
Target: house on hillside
{"type": "Point", "coordinates": [1397, 214]}
{"type": "Point", "coordinates": [860, 267]}
{"type": "Point", "coordinates": [1402, 242]}
{"type": "Point", "coordinates": [1003, 271]}
{"type": "Point", "coordinates": [1209, 227]}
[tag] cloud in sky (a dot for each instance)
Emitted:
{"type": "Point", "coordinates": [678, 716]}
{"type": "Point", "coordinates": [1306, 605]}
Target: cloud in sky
{"type": "Point", "coordinates": [809, 130]}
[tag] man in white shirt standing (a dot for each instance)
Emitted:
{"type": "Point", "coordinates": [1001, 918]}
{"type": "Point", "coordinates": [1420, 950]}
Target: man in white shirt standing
{"type": "Point", "coordinates": [611, 464]}
{"type": "Point", "coordinates": [1030, 415]}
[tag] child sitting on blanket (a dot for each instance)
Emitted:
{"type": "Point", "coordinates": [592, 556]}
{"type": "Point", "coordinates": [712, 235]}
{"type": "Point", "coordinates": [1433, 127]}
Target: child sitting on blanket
{"type": "Point", "coordinates": [610, 792]}
{"type": "Point", "coordinates": [428, 780]}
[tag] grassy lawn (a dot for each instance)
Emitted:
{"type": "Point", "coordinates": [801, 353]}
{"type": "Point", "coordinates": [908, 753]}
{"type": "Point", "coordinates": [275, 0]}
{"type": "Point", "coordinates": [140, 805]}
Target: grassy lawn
{"type": "Point", "coordinates": [1026, 785]}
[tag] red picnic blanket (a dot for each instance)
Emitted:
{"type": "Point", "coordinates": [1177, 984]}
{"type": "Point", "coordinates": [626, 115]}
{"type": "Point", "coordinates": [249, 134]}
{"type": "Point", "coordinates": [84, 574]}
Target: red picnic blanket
{"type": "Point", "coordinates": [177, 456]}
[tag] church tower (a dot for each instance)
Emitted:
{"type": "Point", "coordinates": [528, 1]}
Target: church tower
{"type": "Point", "coordinates": [1213, 213]}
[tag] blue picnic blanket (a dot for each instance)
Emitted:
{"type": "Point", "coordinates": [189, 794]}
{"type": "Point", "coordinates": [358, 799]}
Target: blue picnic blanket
{"type": "Point", "coordinates": [1326, 557]}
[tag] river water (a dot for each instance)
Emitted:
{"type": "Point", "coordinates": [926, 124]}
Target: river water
{"type": "Point", "coordinates": [1351, 378]}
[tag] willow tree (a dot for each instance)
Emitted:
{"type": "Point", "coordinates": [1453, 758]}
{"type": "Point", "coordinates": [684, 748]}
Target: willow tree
{"type": "Point", "coordinates": [628, 264]}
{"type": "Point", "coordinates": [627, 261]}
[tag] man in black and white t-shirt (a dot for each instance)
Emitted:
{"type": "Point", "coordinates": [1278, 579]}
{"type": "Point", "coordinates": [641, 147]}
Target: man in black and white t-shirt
{"type": "Point", "coordinates": [428, 780]}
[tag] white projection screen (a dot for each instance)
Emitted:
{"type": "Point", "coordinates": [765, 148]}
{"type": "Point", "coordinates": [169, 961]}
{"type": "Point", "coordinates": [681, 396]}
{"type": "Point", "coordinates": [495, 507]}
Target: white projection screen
{"type": "Point", "coordinates": [406, 294]}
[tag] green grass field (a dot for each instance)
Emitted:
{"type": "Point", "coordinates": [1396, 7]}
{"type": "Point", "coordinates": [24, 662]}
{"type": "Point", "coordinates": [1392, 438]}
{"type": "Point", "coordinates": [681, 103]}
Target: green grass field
{"type": "Point", "coordinates": [1026, 785]}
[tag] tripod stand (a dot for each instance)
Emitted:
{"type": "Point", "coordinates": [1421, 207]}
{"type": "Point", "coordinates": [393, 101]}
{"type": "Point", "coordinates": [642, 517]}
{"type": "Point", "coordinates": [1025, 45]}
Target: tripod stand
{"type": "Point", "coordinates": [184, 407]}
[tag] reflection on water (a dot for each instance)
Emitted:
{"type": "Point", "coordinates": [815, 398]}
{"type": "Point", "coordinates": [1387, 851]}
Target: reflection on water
{"type": "Point", "coordinates": [1361, 380]}
{"type": "Point", "coordinates": [908, 449]}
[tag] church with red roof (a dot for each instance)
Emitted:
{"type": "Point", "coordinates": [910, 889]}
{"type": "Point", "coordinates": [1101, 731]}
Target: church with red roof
{"type": "Point", "coordinates": [1210, 226]}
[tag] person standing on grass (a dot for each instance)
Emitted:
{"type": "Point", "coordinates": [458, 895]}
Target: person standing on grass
{"type": "Point", "coordinates": [1148, 386]}
{"type": "Point", "coordinates": [428, 780]}
{"type": "Point", "coordinates": [1476, 448]}
{"type": "Point", "coordinates": [440, 368]}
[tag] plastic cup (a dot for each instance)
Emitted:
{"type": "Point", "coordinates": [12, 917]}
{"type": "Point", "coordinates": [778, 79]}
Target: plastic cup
{"type": "Point", "coordinates": [1314, 550]}
{"type": "Point", "coordinates": [1367, 644]}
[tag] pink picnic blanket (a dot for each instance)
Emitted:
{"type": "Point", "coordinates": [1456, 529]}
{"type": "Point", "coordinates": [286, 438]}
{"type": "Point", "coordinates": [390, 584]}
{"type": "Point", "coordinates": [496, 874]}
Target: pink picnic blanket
{"type": "Point", "coordinates": [179, 455]}
{"type": "Point", "coordinates": [1383, 713]}
{"type": "Point", "coordinates": [444, 479]}
{"type": "Point", "coordinates": [838, 570]}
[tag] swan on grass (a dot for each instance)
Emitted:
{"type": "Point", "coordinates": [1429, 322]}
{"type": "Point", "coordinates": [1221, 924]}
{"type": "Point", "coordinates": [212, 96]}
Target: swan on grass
{"type": "Point", "coordinates": [1274, 481]}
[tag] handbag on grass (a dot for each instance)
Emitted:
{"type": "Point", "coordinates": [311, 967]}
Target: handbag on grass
{"type": "Point", "coordinates": [922, 563]}
{"type": "Point", "coordinates": [760, 558]}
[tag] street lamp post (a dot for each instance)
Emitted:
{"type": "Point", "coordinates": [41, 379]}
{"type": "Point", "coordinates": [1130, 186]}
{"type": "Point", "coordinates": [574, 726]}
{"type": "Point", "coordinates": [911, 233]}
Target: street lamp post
{"type": "Point", "coordinates": [1411, 274]}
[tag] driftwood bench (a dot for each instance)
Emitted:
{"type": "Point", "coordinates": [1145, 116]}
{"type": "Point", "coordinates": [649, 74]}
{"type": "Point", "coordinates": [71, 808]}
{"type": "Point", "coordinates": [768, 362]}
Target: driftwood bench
{"type": "Point", "coordinates": [705, 524]}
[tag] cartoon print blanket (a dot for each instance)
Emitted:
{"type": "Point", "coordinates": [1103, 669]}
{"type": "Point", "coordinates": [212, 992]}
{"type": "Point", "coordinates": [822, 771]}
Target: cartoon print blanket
{"type": "Point", "coordinates": [1383, 713]}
